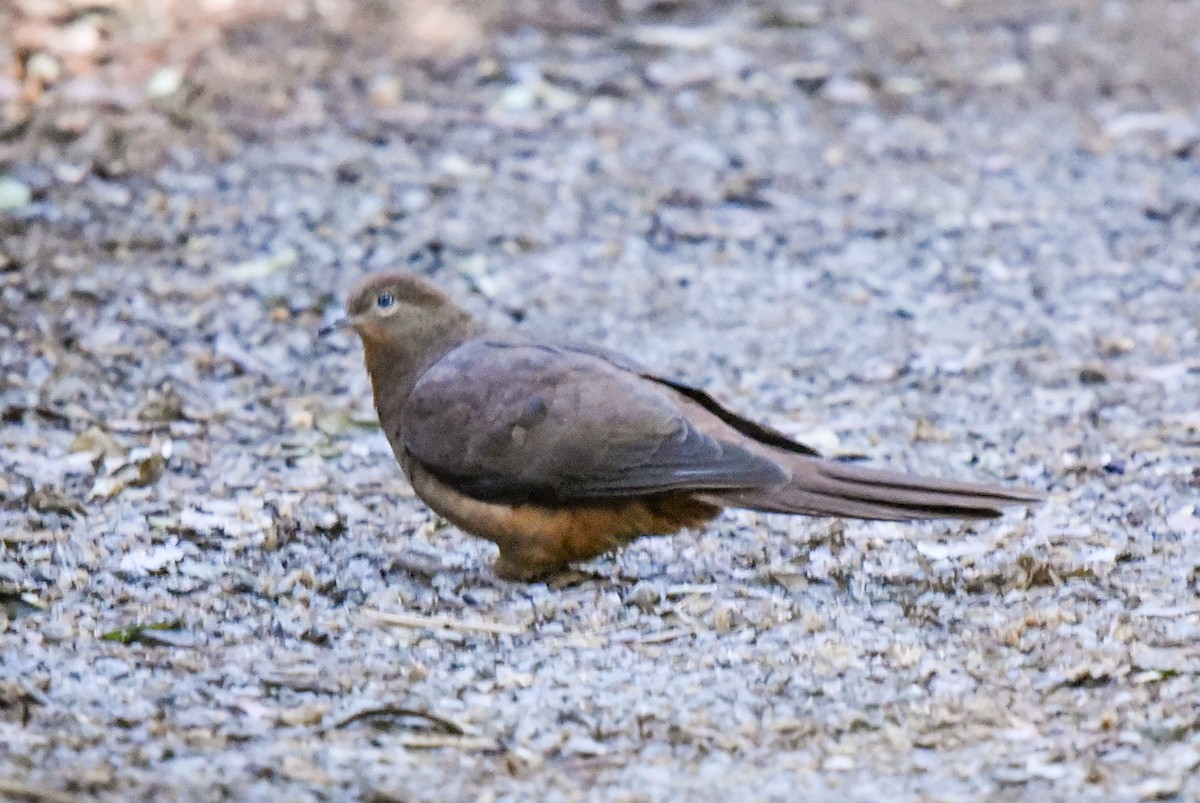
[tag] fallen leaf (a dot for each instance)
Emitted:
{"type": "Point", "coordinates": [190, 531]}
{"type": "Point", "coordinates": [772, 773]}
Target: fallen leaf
{"type": "Point", "coordinates": [48, 499]}
{"type": "Point", "coordinates": [96, 440]}
{"type": "Point", "coordinates": [262, 267]}
{"type": "Point", "coordinates": [138, 632]}
{"type": "Point", "coordinates": [149, 561]}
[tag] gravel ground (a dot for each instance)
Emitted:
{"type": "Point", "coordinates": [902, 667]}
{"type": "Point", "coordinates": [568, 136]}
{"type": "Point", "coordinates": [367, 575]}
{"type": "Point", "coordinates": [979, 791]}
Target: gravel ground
{"type": "Point", "coordinates": [952, 238]}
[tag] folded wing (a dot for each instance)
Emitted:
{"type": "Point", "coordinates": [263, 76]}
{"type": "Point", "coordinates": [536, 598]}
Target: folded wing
{"type": "Point", "coordinates": [527, 422]}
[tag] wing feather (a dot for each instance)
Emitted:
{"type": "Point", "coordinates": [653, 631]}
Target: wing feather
{"type": "Point", "coordinates": [515, 421]}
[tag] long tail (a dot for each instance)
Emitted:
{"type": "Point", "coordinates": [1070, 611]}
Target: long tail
{"type": "Point", "coordinates": [827, 488]}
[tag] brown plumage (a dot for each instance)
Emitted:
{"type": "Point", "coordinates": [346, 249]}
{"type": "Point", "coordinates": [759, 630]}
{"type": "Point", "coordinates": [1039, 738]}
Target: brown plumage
{"type": "Point", "coordinates": [558, 452]}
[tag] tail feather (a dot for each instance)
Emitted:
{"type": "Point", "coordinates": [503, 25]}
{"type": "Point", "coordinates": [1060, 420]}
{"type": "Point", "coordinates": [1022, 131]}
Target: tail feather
{"type": "Point", "coordinates": [827, 488]}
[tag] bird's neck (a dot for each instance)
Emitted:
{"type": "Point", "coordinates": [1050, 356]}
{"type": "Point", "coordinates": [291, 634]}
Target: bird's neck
{"type": "Point", "coordinates": [395, 367]}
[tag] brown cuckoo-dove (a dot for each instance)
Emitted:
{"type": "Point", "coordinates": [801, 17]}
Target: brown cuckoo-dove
{"type": "Point", "coordinates": [558, 452]}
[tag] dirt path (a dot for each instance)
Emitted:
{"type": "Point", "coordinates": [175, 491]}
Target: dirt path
{"type": "Point", "coordinates": [950, 239]}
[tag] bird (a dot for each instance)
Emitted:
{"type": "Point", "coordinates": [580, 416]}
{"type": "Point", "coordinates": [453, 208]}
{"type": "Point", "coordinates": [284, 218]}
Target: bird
{"type": "Point", "coordinates": [559, 452]}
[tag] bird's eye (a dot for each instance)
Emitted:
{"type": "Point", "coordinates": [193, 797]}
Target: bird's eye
{"type": "Point", "coordinates": [384, 300]}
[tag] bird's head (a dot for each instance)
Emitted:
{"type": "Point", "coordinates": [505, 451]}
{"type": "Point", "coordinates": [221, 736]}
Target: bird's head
{"type": "Point", "coordinates": [399, 311]}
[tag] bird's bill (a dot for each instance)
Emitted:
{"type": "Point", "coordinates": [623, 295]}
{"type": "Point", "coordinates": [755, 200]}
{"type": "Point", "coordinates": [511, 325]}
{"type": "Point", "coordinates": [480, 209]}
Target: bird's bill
{"type": "Point", "coordinates": [336, 325]}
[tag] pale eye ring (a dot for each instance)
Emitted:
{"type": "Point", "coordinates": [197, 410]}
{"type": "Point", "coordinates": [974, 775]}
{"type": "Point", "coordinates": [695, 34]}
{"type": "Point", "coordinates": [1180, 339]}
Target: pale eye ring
{"type": "Point", "coordinates": [384, 300]}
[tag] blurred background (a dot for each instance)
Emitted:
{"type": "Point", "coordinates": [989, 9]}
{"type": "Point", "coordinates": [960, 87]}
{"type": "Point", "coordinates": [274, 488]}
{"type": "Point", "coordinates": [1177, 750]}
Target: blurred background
{"type": "Point", "coordinates": [114, 82]}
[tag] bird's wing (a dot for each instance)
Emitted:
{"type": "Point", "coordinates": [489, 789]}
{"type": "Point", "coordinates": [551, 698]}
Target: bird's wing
{"type": "Point", "coordinates": [517, 421]}
{"type": "Point", "coordinates": [826, 487]}
{"type": "Point", "coordinates": [753, 430]}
